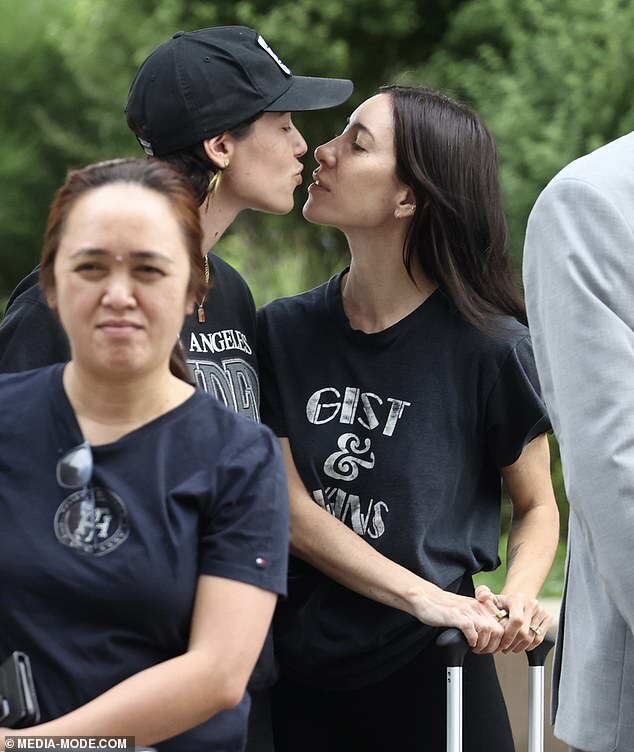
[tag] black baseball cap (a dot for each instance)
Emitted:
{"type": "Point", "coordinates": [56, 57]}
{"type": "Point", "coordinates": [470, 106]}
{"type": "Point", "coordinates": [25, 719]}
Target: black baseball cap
{"type": "Point", "coordinates": [201, 83]}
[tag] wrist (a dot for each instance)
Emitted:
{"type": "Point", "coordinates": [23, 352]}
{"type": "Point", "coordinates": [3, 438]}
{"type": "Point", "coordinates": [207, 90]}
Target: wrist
{"type": "Point", "coordinates": [419, 596]}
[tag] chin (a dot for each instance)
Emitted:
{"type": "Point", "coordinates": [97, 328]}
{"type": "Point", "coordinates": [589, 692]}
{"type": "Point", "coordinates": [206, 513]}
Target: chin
{"type": "Point", "coordinates": [281, 206]}
{"type": "Point", "coordinates": [312, 214]}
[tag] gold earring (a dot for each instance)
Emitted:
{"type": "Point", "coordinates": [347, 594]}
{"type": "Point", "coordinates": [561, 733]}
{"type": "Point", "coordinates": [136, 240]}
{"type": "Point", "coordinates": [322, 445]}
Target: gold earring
{"type": "Point", "coordinates": [214, 182]}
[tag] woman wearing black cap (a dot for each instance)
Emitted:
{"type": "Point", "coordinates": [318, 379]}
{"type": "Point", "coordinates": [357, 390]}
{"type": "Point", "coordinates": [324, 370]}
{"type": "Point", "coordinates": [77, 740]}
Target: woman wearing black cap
{"type": "Point", "coordinates": [402, 399]}
{"type": "Point", "coordinates": [216, 104]}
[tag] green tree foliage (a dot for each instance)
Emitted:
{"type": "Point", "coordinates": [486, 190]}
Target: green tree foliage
{"type": "Point", "coordinates": [552, 78]}
{"type": "Point", "coordinates": [33, 76]}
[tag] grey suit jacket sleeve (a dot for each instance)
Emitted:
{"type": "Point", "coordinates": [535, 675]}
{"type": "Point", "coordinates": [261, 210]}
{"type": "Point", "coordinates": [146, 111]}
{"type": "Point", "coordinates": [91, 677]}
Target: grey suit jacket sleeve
{"type": "Point", "coordinates": [579, 279]}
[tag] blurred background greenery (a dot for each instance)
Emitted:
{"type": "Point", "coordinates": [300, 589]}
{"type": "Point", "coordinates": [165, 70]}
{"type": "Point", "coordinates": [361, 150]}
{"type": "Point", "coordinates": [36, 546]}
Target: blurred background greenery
{"type": "Point", "coordinates": [553, 79]}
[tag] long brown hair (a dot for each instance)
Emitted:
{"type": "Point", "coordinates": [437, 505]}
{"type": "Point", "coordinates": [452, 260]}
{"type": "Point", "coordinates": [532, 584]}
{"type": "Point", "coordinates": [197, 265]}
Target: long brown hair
{"type": "Point", "coordinates": [447, 156]}
{"type": "Point", "coordinates": [155, 175]}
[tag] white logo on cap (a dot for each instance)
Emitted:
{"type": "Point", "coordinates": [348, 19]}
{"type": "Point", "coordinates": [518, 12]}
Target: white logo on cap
{"type": "Point", "coordinates": [265, 47]}
{"type": "Point", "coordinates": [146, 146]}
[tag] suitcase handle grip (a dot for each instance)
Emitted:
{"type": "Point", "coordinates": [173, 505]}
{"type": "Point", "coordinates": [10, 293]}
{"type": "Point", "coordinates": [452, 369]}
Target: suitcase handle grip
{"type": "Point", "coordinates": [537, 656]}
{"type": "Point", "coordinates": [452, 644]}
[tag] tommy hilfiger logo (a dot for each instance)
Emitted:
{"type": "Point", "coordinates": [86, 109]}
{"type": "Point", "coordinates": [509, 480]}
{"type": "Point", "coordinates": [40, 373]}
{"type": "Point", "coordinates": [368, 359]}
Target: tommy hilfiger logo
{"type": "Point", "coordinates": [92, 521]}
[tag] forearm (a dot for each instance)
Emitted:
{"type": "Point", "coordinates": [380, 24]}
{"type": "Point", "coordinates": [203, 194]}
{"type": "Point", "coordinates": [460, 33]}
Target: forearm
{"type": "Point", "coordinates": [534, 531]}
{"type": "Point", "coordinates": [330, 546]}
{"type": "Point", "coordinates": [155, 704]}
{"type": "Point", "coordinates": [229, 623]}
{"type": "Point", "coordinates": [531, 548]}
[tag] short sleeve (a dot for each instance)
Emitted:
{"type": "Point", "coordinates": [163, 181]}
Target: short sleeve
{"type": "Point", "coordinates": [515, 412]}
{"type": "Point", "coordinates": [271, 409]}
{"type": "Point", "coordinates": [246, 530]}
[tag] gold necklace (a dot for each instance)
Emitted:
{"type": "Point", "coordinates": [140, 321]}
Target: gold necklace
{"type": "Point", "coordinates": [201, 311]}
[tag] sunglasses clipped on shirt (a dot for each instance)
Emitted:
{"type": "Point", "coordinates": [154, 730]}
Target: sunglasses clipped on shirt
{"type": "Point", "coordinates": [74, 471]}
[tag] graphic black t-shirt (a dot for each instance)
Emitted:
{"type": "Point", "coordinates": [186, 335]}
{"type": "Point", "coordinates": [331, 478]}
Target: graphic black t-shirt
{"type": "Point", "coordinates": [220, 351]}
{"type": "Point", "coordinates": [200, 490]}
{"type": "Point", "coordinates": [400, 435]}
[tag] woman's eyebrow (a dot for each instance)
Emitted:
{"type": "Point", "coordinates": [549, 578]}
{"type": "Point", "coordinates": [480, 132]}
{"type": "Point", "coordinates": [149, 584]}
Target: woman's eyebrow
{"type": "Point", "coordinates": [140, 254]}
{"type": "Point", "coordinates": [361, 127]}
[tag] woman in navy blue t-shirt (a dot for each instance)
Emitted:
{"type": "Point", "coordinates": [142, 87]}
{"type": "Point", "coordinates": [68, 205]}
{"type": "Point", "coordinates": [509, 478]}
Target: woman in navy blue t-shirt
{"type": "Point", "coordinates": [403, 391]}
{"type": "Point", "coordinates": [144, 525]}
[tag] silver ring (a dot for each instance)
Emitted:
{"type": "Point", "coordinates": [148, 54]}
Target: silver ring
{"type": "Point", "coordinates": [538, 631]}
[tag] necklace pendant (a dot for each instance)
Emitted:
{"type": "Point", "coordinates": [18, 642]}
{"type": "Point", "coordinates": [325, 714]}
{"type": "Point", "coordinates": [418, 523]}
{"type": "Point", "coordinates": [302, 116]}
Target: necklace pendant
{"type": "Point", "coordinates": [201, 315]}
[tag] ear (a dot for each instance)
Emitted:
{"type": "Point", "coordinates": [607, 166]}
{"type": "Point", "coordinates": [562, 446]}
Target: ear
{"type": "Point", "coordinates": [51, 299]}
{"type": "Point", "coordinates": [405, 204]}
{"type": "Point", "coordinates": [219, 149]}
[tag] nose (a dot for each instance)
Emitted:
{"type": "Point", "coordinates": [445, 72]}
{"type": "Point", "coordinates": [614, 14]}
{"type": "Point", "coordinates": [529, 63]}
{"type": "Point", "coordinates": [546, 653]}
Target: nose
{"type": "Point", "coordinates": [119, 292]}
{"type": "Point", "coordinates": [301, 147]}
{"type": "Point", "coordinates": [325, 153]}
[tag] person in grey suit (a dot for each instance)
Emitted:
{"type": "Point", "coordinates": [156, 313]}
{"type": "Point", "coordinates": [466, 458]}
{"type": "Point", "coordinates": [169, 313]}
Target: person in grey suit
{"type": "Point", "coordinates": [579, 279]}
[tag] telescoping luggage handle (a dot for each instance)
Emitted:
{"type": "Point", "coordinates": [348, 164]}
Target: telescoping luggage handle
{"type": "Point", "coordinates": [453, 645]}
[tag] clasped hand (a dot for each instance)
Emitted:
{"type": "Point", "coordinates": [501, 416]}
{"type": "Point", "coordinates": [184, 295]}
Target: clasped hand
{"type": "Point", "coordinates": [526, 624]}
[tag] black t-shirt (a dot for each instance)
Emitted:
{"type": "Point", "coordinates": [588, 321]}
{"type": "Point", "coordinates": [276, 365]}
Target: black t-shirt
{"type": "Point", "coordinates": [30, 333]}
{"type": "Point", "coordinates": [399, 434]}
{"type": "Point", "coordinates": [221, 351]}
{"type": "Point", "coordinates": [199, 490]}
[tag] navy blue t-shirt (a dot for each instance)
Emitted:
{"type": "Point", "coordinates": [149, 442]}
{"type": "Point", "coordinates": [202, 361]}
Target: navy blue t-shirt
{"type": "Point", "coordinates": [199, 490]}
{"type": "Point", "coordinates": [401, 435]}
{"type": "Point", "coordinates": [220, 351]}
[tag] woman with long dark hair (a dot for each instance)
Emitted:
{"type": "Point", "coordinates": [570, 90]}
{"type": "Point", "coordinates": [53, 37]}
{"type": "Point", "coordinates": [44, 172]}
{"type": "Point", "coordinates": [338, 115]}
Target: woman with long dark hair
{"type": "Point", "coordinates": [406, 393]}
